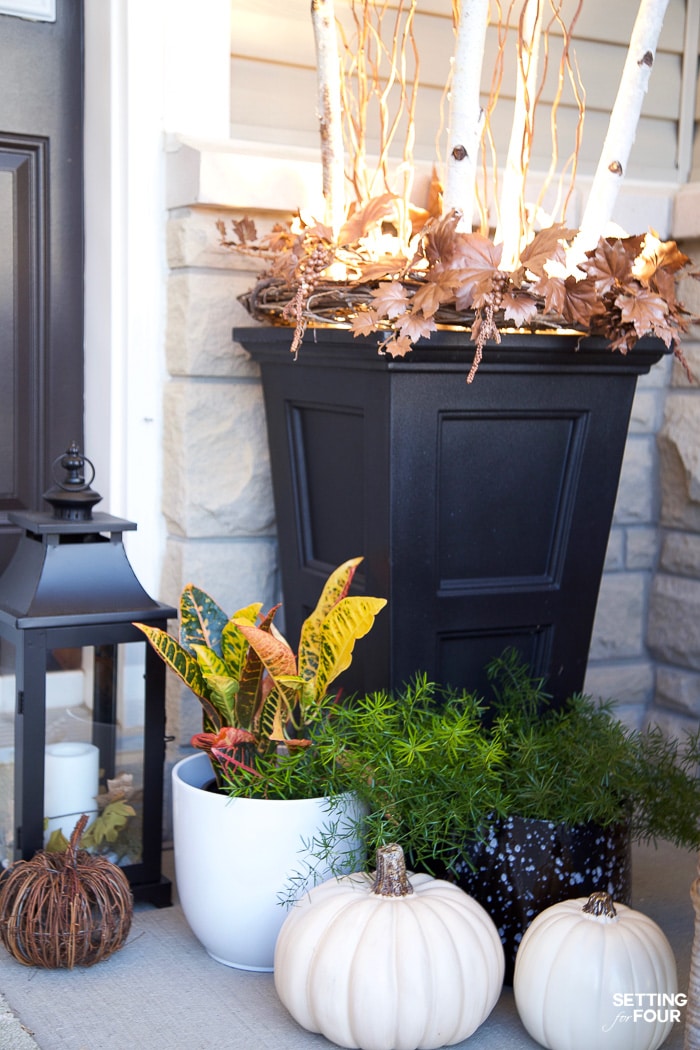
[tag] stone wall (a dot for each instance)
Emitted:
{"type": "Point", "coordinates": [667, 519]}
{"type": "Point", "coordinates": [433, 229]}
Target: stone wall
{"type": "Point", "coordinates": [674, 608]}
{"type": "Point", "coordinates": [620, 664]}
{"type": "Point", "coordinates": [217, 496]}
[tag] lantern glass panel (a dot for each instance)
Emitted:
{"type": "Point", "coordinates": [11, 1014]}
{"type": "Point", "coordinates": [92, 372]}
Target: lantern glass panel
{"type": "Point", "coordinates": [7, 752]}
{"type": "Point", "coordinates": [94, 760]}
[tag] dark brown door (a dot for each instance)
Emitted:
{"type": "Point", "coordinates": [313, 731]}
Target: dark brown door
{"type": "Point", "coordinates": [41, 253]}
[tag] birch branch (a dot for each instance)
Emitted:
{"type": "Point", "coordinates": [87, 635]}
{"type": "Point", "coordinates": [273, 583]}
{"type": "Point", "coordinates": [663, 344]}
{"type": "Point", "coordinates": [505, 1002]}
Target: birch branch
{"type": "Point", "coordinates": [329, 111]}
{"type": "Point", "coordinates": [466, 114]}
{"type": "Point", "coordinates": [511, 218]}
{"type": "Point", "coordinates": [622, 127]}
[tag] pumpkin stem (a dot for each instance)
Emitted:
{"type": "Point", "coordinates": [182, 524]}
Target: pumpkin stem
{"type": "Point", "coordinates": [390, 878]}
{"type": "Point", "coordinates": [600, 903]}
{"type": "Point", "coordinates": [76, 835]}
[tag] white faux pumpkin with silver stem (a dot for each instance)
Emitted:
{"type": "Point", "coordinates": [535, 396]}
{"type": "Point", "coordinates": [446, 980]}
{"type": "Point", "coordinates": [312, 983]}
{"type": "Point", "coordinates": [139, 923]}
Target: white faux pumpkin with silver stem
{"type": "Point", "coordinates": [388, 963]}
{"type": "Point", "coordinates": [596, 974]}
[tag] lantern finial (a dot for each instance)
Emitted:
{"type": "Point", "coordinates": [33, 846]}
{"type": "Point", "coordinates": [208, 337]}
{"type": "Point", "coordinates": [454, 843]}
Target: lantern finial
{"type": "Point", "coordinates": [72, 498]}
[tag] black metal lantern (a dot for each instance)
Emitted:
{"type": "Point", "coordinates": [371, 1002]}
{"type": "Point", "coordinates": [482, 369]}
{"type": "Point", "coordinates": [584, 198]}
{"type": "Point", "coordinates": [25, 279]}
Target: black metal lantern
{"type": "Point", "coordinates": [68, 599]}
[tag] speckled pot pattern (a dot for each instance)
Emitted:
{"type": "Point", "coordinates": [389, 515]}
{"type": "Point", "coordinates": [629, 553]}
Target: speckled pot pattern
{"type": "Point", "coordinates": [527, 865]}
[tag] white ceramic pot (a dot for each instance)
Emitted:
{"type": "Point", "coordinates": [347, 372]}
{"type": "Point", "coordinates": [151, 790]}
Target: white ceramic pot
{"type": "Point", "coordinates": [235, 858]}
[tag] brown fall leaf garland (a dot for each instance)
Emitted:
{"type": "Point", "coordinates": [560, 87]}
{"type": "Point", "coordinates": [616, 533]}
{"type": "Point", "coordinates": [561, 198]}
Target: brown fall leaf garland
{"type": "Point", "coordinates": [624, 289]}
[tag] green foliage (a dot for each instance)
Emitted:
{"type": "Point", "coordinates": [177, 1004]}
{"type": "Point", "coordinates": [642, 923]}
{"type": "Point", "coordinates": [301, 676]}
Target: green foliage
{"type": "Point", "coordinates": [289, 772]}
{"type": "Point", "coordinates": [257, 696]}
{"type": "Point", "coordinates": [435, 767]}
{"type": "Point", "coordinates": [421, 763]}
{"type": "Point", "coordinates": [102, 832]}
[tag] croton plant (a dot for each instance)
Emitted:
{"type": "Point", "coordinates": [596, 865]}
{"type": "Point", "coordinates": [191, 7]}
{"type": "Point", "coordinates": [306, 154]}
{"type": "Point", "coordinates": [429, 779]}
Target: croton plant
{"type": "Point", "coordinates": [257, 695]}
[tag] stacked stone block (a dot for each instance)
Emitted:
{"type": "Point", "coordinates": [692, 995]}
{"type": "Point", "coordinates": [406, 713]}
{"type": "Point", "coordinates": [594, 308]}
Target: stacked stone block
{"type": "Point", "coordinates": [674, 608]}
{"type": "Point", "coordinates": [217, 494]}
{"type": "Point", "coordinates": [620, 666]}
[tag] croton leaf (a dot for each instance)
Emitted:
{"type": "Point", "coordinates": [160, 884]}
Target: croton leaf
{"type": "Point", "coordinates": [347, 621]}
{"type": "Point", "coordinates": [201, 619]}
{"type": "Point", "coordinates": [182, 662]}
{"type": "Point", "coordinates": [274, 652]}
{"type": "Point", "coordinates": [234, 646]}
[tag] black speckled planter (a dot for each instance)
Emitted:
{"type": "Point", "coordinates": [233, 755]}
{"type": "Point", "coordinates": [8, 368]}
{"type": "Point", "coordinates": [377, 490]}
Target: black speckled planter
{"type": "Point", "coordinates": [527, 865]}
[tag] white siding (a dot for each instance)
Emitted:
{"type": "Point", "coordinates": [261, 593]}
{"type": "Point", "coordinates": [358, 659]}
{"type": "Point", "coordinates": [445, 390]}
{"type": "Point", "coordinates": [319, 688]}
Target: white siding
{"type": "Point", "coordinates": [273, 91]}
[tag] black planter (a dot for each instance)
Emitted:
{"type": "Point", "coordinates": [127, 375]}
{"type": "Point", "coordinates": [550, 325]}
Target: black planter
{"type": "Point", "coordinates": [482, 511]}
{"type": "Point", "coordinates": [528, 865]}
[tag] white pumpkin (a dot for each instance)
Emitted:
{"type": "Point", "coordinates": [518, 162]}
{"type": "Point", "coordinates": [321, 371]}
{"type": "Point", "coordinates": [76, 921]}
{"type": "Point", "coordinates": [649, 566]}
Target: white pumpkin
{"type": "Point", "coordinates": [384, 963]}
{"type": "Point", "coordinates": [593, 974]}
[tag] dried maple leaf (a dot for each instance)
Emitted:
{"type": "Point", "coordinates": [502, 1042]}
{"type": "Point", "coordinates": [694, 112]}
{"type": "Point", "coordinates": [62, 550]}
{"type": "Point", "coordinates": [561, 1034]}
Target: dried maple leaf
{"type": "Point", "coordinates": [389, 266]}
{"type": "Point", "coordinates": [397, 345]}
{"type": "Point", "coordinates": [414, 326]}
{"type": "Point", "coordinates": [664, 284]}
{"type": "Point", "coordinates": [370, 214]}
{"type": "Point", "coordinates": [657, 255]}
{"type": "Point", "coordinates": [546, 246]}
{"type": "Point", "coordinates": [553, 292]}
{"type": "Point", "coordinates": [519, 308]}
{"type": "Point", "coordinates": [364, 323]}
{"type": "Point", "coordinates": [646, 311]}
{"type": "Point", "coordinates": [434, 292]}
{"type": "Point", "coordinates": [390, 299]}
{"type": "Point", "coordinates": [439, 241]}
{"type": "Point", "coordinates": [609, 265]}
{"type": "Point", "coordinates": [245, 230]}
{"type": "Point", "coordinates": [478, 270]}
{"type": "Point", "coordinates": [435, 189]}
{"type": "Point", "coordinates": [581, 302]}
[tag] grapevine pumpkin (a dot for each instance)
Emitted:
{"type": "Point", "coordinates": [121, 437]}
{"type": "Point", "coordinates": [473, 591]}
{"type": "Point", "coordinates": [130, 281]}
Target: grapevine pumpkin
{"type": "Point", "coordinates": [388, 963]}
{"type": "Point", "coordinates": [64, 909]}
{"type": "Point", "coordinates": [593, 973]}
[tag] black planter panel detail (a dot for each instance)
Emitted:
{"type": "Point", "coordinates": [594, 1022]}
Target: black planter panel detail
{"type": "Point", "coordinates": [482, 511]}
{"type": "Point", "coordinates": [504, 497]}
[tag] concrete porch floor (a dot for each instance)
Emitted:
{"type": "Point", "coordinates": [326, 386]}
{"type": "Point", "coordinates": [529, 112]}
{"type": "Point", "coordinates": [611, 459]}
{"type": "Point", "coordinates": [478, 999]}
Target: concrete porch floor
{"type": "Point", "coordinates": [162, 990]}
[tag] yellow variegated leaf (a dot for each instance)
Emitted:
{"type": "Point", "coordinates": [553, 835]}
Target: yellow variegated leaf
{"type": "Point", "coordinates": [336, 587]}
{"type": "Point", "coordinates": [350, 619]}
{"type": "Point", "coordinates": [175, 656]}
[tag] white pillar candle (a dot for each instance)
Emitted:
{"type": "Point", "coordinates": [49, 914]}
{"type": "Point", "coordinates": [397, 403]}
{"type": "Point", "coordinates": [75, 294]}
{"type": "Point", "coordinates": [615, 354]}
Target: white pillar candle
{"type": "Point", "coordinates": [71, 784]}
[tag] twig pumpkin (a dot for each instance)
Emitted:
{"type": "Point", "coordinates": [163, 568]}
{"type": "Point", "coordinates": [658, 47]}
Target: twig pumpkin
{"type": "Point", "coordinates": [64, 909]}
{"type": "Point", "coordinates": [385, 963]}
{"type": "Point", "coordinates": [592, 973]}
